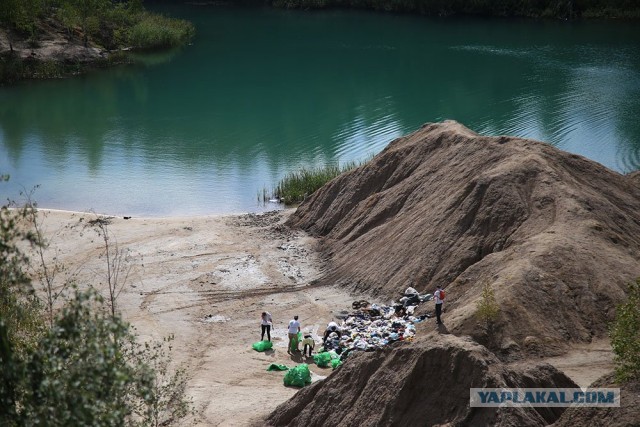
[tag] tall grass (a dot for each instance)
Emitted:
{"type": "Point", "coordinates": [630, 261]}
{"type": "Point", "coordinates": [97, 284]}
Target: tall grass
{"type": "Point", "coordinates": [156, 31]}
{"type": "Point", "coordinates": [298, 185]}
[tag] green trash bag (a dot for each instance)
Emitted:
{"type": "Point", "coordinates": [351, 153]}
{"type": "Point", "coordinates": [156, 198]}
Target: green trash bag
{"type": "Point", "coordinates": [262, 345]}
{"type": "Point", "coordinates": [295, 342]}
{"type": "Point", "coordinates": [322, 359]}
{"type": "Point", "coordinates": [298, 376]}
{"type": "Point", "coordinates": [277, 367]}
{"type": "Point", "coordinates": [335, 363]}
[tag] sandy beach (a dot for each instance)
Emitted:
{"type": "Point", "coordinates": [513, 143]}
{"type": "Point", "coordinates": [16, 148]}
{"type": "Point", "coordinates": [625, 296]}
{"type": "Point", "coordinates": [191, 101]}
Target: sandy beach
{"type": "Point", "coordinates": [206, 280]}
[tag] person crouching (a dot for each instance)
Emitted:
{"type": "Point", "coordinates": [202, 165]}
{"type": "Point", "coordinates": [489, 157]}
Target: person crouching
{"type": "Point", "coordinates": [307, 345]}
{"type": "Point", "coordinates": [332, 327]}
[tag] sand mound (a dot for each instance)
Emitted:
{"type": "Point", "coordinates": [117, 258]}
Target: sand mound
{"type": "Point", "coordinates": [556, 235]}
{"type": "Point", "coordinates": [626, 415]}
{"type": "Point", "coordinates": [423, 383]}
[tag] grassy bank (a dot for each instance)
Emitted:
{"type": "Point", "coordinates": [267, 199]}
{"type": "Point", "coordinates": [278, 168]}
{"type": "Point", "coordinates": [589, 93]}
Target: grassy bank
{"type": "Point", "coordinates": [562, 9]}
{"type": "Point", "coordinates": [110, 26]}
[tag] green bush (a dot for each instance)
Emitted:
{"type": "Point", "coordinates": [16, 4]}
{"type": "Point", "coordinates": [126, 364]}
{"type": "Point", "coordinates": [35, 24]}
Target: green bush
{"type": "Point", "coordinates": [19, 308]}
{"type": "Point", "coordinates": [78, 374]}
{"type": "Point", "coordinates": [625, 336]}
{"type": "Point", "coordinates": [487, 308]}
{"type": "Point", "coordinates": [156, 31]}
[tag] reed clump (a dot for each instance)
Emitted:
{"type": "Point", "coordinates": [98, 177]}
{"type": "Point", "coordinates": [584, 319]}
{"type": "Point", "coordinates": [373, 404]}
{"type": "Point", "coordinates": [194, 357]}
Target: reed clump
{"type": "Point", "coordinates": [298, 185]}
{"type": "Point", "coordinates": [154, 31]}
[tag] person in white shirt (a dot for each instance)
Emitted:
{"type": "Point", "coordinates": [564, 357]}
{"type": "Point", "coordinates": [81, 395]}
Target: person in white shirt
{"type": "Point", "coordinates": [265, 323]}
{"type": "Point", "coordinates": [294, 328]}
{"type": "Point", "coordinates": [438, 295]}
{"type": "Point", "coordinates": [331, 327]}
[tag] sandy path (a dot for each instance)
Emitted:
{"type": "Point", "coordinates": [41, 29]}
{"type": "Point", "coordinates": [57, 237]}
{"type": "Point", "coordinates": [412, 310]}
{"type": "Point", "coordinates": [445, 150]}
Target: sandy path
{"type": "Point", "coordinates": [206, 280]}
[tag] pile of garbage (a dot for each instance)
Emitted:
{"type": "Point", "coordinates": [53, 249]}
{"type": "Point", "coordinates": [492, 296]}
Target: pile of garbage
{"type": "Point", "coordinates": [373, 326]}
{"type": "Point", "coordinates": [370, 327]}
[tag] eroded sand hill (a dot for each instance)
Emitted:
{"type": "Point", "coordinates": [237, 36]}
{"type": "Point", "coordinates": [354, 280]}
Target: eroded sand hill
{"type": "Point", "coordinates": [557, 236]}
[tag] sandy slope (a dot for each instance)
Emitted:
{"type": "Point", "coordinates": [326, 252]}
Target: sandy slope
{"type": "Point", "coordinates": [228, 267]}
{"type": "Point", "coordinates": [555, 235]}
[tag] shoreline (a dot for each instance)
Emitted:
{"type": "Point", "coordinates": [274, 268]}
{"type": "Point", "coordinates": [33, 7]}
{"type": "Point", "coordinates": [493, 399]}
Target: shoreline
{"type": "Point", "coordinates": [181, 217]}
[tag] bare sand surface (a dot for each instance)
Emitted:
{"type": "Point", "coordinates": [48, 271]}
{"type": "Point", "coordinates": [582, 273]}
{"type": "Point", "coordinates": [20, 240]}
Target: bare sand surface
{"type": "Point", "coordinates": [583, 363]}
{"type": "Point", "coordinates": [206, 280]}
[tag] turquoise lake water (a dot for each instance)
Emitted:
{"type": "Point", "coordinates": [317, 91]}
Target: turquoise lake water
{"type": "Point", "coordinates": [262, 92]}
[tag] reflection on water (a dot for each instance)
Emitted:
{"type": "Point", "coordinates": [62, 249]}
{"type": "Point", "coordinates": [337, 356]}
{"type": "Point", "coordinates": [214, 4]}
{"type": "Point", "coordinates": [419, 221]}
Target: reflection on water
{"type": "Point", "coordinates": [262, 92]}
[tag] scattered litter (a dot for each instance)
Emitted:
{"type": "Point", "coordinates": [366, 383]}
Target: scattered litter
{"type": "Point", "coordinates": [360, 304]}
{"type": "Point", "coordinates": [210, 318]}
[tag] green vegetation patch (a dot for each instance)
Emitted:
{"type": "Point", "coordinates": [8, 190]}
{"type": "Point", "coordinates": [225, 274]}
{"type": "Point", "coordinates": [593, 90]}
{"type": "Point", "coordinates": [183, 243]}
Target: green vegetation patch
{"type": "Point", "coordinates": [67, 357]}
{"type": "Point", "coordinates": [157, 31]}
{"type": "Point", "coordinates": [296, 186]}
{"type": "Point", "coordinates": [525, 8]}
{"type": "Point", "coordinates": [625, 336]}
{"type": "Point", "coordinates": [113, 26]}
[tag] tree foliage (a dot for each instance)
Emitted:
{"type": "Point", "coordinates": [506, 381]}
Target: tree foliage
{"type": "Point", "coordinates": [20, 326]}
{"type": "Point", "coordinates": [20, 15]}
{"type": "Point", "coordinates": [625, 336]}
{"type": "Point", "coordinates": [19, 306]}
{"type": "Point", "coordinates": [79, 373]}
{"type": "Point", "coordinates": [539, 8]}
{"type": "Point", "coordinates": [487, 307]}
{"type": "Point", "coordinates": [108, 23]}
{"type": "Point", "coordinates": [84, 368]}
